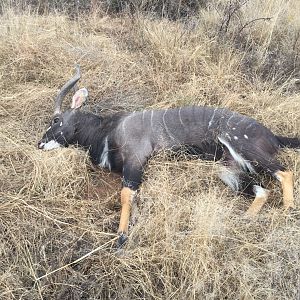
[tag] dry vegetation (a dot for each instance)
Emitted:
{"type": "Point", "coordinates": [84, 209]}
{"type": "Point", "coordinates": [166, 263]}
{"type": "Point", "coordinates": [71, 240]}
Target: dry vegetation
{"type": "Point", "coordinates": [190, 240]}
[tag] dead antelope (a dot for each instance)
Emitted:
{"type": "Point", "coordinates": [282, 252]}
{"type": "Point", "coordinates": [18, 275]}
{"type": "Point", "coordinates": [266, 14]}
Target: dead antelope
{"type": "Point", "coordinates": [124, 142]}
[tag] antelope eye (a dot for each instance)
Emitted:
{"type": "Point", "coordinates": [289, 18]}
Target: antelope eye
{"type": "Point", "coordinates": [55, 120]}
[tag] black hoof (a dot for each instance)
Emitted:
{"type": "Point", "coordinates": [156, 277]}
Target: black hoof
{"type": "Point", "coordinates": [121, 240]}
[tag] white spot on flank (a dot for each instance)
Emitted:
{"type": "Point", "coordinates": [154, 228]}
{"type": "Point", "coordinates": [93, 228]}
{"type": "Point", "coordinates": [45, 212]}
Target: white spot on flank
{"type": "Point", "coordinates": [61, 133]}
{"type": "Point", "coordinates": [246, 136]}
{"type": "Point", "coordinates": [104, 161]}
{"type": "Point", "coordinates": [51, 145]}
{"type": "Point", "coordinates": [237, 157]}
{"type": "Point", "coordinates": [260, 192]}
{"type": "Point", "coordinates": [230, 178]}
{"type": "Point", "coordinates": [233, 128]}
{"type": "Point", "coordinates": [235, 137]}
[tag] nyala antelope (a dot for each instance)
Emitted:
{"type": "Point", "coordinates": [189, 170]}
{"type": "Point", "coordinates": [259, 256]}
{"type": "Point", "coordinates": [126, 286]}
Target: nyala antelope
{"type": "Point", "coordinates": [124, 142]}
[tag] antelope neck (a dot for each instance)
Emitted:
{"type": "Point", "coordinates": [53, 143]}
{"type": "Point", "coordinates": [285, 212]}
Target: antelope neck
{"type": "Point", "coordinates": [94, 132]}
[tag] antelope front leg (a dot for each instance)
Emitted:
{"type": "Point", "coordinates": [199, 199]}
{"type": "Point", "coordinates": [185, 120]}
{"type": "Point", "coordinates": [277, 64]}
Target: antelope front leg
{"type": "Point", "coordinates": [127, 196]}
{"type": "Point", "coordinates": [286, 180]}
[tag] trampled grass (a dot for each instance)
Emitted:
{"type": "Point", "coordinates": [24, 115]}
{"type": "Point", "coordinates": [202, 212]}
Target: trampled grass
{"type": "Point", "coordinates": [190, 239]}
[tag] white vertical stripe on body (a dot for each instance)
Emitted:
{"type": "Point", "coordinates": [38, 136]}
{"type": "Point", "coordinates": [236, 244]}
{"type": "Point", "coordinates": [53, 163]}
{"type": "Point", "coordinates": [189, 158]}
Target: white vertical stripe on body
{"type": "Point", "coordinates": [212, 118]}
{"type": "Point", "coordinates": [166, 127]}
{"type": "Point", "coordinates": [180, 119]}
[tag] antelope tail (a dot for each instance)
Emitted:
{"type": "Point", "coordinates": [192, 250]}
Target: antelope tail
{"type": "Point", "coordinates": [288, 142]}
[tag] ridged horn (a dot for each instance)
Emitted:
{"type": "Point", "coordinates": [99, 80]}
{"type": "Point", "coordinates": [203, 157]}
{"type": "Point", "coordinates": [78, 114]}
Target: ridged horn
{"type": "Point", "coordinates": [65, 89]}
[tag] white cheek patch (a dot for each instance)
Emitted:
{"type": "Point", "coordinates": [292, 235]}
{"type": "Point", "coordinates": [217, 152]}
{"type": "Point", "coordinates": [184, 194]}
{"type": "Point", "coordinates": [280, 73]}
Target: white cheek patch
{"type": "Point", "coordinates": [51, 145]}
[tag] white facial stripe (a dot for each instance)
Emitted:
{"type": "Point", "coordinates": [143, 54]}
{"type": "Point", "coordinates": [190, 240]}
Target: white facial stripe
{"type": "Point", "coordinates": [48, 128]}
{"type": "Point", "coordinates": [51, 145]}
{"type": "Point", "coordinates": [60, 124]}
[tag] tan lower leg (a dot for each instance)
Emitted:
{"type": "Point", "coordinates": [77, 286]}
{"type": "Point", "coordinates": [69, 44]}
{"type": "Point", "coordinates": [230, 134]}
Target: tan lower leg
{"type": "Point", "coordinates": [259, 201]}
{"type": "Point", "coordinates": [286, 180]}
{"type": "Point", "coordinates": [126, 200]}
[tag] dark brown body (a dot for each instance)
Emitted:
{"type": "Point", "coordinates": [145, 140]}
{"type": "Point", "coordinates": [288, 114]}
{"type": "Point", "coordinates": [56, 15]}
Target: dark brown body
{"type": "Point", "coordinates": [209, 132]}
{"type": "Point", "coordinates": [124, 142]}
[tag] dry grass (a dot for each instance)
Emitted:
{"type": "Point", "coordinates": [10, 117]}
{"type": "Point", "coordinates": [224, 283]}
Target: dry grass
{"type": "Point", "coordinates": [190, 239]}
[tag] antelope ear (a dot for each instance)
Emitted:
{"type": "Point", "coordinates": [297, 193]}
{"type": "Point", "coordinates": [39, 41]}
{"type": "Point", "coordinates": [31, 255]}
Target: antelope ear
{"type": "Point", "coordinates": [79, 98]}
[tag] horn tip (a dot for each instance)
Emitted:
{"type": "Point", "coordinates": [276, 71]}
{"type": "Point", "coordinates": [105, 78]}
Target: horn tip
{"type": "Point", "coordinates": [77, 66]}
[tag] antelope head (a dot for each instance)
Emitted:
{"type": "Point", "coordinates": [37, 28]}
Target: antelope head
{"type": "Point", "coordinates": [63, 125]}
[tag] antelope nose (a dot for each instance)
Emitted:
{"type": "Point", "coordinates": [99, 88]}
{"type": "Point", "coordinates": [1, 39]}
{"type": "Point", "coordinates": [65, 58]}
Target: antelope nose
{"type": "Point", "coordinates": [41, 145]}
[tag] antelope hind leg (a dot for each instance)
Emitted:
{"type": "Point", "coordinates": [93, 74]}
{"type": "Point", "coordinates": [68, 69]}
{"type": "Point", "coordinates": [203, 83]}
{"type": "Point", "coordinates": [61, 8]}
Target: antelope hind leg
{"type": "Point", "coordinates": [286, 180]}
{"type": "Point", "coordinates": [261, 196]}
